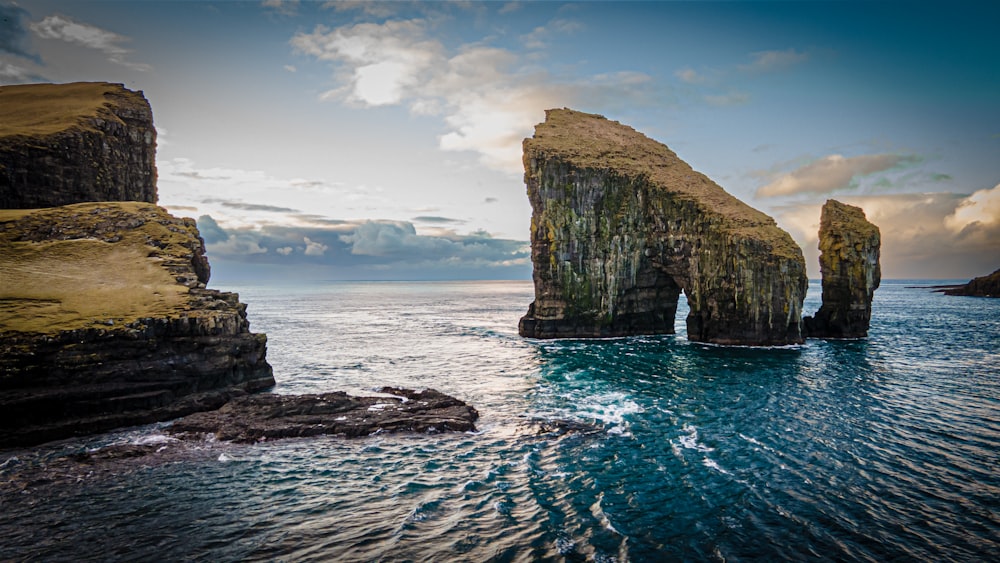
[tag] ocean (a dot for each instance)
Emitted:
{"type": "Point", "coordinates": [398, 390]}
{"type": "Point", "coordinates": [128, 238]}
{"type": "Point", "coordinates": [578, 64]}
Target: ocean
{"type": "Point", "coordinates": [627, 449]}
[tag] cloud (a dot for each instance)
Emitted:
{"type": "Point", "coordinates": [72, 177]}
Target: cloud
{"type": "Point", "coordinates": [13, 74]}
{"type": "Point", "coordinates": [378, 63]}
{"type": "Point", "coordinates": [690, 76]}
{"type": "Point", "coordinates": [768, 61]}
{"type": "Point", "coordinates": [732, 98]}
{"type": "Point", "coordinates": [438, 220]}
{"type": "Point", "coordinates": [376, 249]}
{"type": "Point", "coordinates": [290, 68]}
{"type": "Point", "coordinates": [251, 206]}
{"type": "Point", "coordinates": [488, 97]}
{"type": "Point", "coordinates": [832, 173]}
{"type": "Point", "coordinates": [942, 235]}
{"type": "Point", "coordinates": [282, 7]}
{"type": "Point", "coordinates": [981, 210]}
{"type": "Point", "coordinates": [66, 29]}
{"type": "Point", "coordinates": [314, 248]}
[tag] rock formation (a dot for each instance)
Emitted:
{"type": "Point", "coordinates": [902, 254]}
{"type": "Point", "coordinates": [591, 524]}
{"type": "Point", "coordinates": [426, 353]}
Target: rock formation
{"type": "Point", "coordinates": [105, 321]}
{"type": "Point", "coordinates": [255, 418]}
{"type": "Point", "coordinates": [69, 143]}
{"type": "Point", "coordinates": [621, 226]}
{"type": "Point", "coordinates": [983, 286]}
{"type": "Point", "coordinates": [849, 262]}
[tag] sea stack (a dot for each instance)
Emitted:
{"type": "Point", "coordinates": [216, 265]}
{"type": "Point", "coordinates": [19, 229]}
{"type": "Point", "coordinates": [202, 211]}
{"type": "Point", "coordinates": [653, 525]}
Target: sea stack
{"type": "Point", "coordinates": [621, 226]}
{"type": "Point", "coordinates": [105, 319]}
{"type": "Point", "coordinates": [849, 262]}
{"type": "Point", "coordinates": [69, 143]}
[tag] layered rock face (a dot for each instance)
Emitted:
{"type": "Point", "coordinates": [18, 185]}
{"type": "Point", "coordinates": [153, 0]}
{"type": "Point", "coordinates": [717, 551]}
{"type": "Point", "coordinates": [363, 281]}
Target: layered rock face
{"type": "Point", "coordinates": [621, 226]}
{"type": "Point", "coordinates": [849, 261]}
{"type": "Point", "coordinates": [69, 143]}
{"type": "Point", "coordinates": [105, 321]}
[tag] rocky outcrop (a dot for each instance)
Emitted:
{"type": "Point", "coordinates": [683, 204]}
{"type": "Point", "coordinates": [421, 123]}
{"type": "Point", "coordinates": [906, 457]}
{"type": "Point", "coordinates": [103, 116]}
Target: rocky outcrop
{"type": "Point", "coordinates": [71, 143]}
{"type": "Point", "coordinates": [105, 321]}
{"type": "Point", "coordinates": [983, 286]}
{"type": "Point", "coordinates": [849, 262]}
{"type": "Point", "coordinates": [255, 418]}
{"type": "Point", "coordinates": [621, 226]}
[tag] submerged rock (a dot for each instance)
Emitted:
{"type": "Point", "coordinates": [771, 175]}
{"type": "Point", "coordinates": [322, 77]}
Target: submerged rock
{"type": "Point", "coordinates": [69, 143]}
{"type": "Point", "coordinates": [105, 321]}
{"type": "Point", "coordinates": [268, 416]}
{"type": "Point", "coordinates": [983, 286]}
{"type": "Point", "coordinates": [621, 226]}
{"type": "Point", "coordinates": [849, 261]}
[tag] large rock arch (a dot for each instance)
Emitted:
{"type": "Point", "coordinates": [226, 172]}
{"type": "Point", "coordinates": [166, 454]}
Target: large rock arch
{"type": "Point", "coordinates": [621, 226]}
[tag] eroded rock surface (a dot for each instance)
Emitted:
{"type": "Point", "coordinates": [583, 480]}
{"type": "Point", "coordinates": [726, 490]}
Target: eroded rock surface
{"type": "Point", "coordinates": [849, 262]}
{"type": "Point", "coordinates": [621, 226]}
{"type": "Point", "coordinates": [71, 143]}
{"type": "Point", "coordinates": [105, 321]}
{"type": "Point", "coordinates": [269, 416]}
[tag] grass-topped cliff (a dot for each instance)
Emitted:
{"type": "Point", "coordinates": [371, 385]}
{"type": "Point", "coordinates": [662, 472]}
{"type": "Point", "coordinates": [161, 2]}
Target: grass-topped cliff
{"type": "Point", "coordinates": [68, 143]}
{"type": "Point", "coordinates": [621, 226]}
{"type": "Point", "coordinates": [96, 265]}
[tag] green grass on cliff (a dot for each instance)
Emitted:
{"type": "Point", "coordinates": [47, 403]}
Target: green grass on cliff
{"type": "Point", "coordinates": [54, 285]}
{"type": "Point", "coordinates": [44, 109]}
{"type": "Point", "coordinates": [592, 141]}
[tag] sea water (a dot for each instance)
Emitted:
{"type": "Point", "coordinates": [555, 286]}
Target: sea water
{"type": "Point", "coordinates": [881, 449]}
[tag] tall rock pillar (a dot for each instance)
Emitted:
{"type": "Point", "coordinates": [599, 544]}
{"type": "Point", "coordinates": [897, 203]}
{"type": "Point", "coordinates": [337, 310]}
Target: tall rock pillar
{"type": "Point", "coordinates": [849, 261]}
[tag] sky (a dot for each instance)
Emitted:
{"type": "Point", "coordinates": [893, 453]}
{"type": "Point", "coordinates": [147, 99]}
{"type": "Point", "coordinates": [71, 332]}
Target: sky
{"type": "Point", "coordinates": [382, 140]}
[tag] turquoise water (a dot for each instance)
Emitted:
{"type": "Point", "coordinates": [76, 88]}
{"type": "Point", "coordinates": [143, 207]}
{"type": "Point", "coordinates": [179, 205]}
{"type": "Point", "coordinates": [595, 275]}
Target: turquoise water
{"type": "Point", "coordinates": [874, 450]}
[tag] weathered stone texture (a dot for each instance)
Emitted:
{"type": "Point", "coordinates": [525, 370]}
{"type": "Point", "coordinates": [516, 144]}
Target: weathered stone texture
{"type": "Point", "coordinates": [269, 416]}
{"type": "Point", "coordinates": [849, 262]}
{"type": "Point", "coordinates": [105, 321]}
{"type": "Point", "coordinates": [621, 226]}
{"type": "Point", "coordinates": [71, 143]}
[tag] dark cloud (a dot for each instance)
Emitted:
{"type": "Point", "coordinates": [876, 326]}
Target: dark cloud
{"type": "Point", "coordinates": [250, 206]}
{"type": "Point", "coordinates": [13, 32]}
{"type": "Point", "coordinates": [367, 250]}
{"type": "Point", "coordinates": [490, 200]}
{"type": "Point", "coordinates": [210, 230]}
{"type": "Point", "coordinates": [438, 220]}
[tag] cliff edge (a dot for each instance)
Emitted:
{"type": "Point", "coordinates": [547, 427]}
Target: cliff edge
{"type": "Point", "coordinates": [105, 321]}
{"type": "Point", "coordinates": [69, 143]}
{"type": "Point", "coordinates": [621, 226]}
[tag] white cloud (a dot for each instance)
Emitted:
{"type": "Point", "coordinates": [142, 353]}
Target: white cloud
{"type": "Point", "coordinates": [922, 235]}
{"type": "Point", "coordinates": [284, 250]}
{"type": "Point", "coordinates": [831, 173]}
{"type": "Point", "coordinates": [379, 63]}
{"type": "Point", "coordinates": [690, 76]}
{"type": "Point", "coordinates": [314, 248]}
{"type": "Point", "coordinates": [65, 29]}
{"type": "Point", "coordinates": [487, 97]}
{"type": "Point", "coordinates": [732, 98]}
{"type": "Point", "coordinates": [768, 61]}
{"type": "Point", "coordinates": [981, 209]}
{"type": "Point", "coordinates": [290, 68]}
{"type": "Point", "coordinates": [283, 7]}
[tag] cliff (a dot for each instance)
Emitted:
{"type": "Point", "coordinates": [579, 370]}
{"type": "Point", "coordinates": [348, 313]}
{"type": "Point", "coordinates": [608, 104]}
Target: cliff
{"type": "Point", "coordinates": [105, 321]}
{"type": "Point", "coordinates": [69, 143]}
{"type": "Point", "coordinates": [983, 286]}
{"type": "Point", "coordinates": [621, 226]}
{"type": "Point", "coordinates": [849, 262]}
